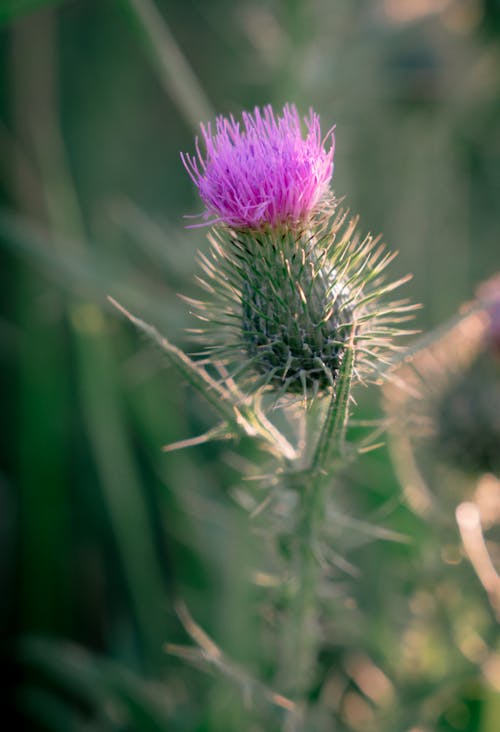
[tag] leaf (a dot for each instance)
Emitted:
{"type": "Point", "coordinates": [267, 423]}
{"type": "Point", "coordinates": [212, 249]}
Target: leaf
{"type": "Point", "coordinates": [11, 9]}
{"type": "Point", "coordinates": [239, 413]}
{"type": "Point", "coordinates": [220, 432]}
{"type": "Point", "coordinates": [205, 651]}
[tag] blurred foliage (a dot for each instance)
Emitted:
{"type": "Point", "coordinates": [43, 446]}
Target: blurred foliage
{"type": "Point", "coordinates": [101, 533]}
{"type": "Point", "coordinates": [12, 8]}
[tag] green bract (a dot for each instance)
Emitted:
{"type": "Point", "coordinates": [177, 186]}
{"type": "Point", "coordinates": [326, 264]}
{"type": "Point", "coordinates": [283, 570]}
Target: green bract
{"type": "Point", "coordinates": [284, 304]}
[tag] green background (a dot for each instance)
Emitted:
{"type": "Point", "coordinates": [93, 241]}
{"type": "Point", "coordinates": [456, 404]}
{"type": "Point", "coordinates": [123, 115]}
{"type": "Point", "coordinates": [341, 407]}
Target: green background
{"type": "Point", "coordinates": [100, 531]}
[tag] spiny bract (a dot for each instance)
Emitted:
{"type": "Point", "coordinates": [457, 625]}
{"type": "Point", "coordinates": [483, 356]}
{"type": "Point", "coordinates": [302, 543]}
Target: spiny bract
{"type": "Point", "coordinates": [295, 317]}
{"type": "Point", "coordinates": [291, 302]}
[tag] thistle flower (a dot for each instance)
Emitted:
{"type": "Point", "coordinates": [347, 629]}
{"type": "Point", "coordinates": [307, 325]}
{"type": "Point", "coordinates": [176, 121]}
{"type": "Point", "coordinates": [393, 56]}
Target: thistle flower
{"type": "Point", "coordinates": [263, 172]}
{"type": "Point", "coordinates": [291, 283]}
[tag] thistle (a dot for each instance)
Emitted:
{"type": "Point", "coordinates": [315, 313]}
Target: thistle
{"type": "Point", "coordinates": [296, 306]}
{"type": "Point", "coordinates": [456, 382]}
{"type": "Point", "coordinates": [290, 281]}
{"type": "Point", "coordinates": [467, 412]}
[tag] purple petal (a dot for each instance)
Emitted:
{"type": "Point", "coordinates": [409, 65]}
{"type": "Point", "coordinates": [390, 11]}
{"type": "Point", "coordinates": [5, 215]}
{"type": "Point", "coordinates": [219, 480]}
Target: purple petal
{"type": "Point", "coordinates": [262, 172]}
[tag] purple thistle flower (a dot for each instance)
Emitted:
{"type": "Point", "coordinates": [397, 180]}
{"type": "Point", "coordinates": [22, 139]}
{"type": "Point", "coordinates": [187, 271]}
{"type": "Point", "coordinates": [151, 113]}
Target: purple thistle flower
{"type": "Point", "coordinates": [264, 172]}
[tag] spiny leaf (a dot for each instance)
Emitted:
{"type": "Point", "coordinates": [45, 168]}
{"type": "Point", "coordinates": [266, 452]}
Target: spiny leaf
{"type": "Point", "coordinates": [221, 432]}
{"type": "Point", "coordinates": [241, 415]}
{"type": "Point", "coordinates": [206, 651]}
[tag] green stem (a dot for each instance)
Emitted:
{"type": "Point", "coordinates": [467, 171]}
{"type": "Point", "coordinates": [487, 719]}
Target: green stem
{"type": "Point", "coordinates": [331, 443]}
{"type": "Point", "coordinates": [314, 489]}
{"type": "Point", "coordinates": [305, 611]}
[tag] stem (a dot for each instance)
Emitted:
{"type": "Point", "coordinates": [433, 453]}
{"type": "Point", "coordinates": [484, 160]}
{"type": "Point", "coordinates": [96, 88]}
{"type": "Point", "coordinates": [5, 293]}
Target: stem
{"type": "Point", "coordinates": [314, 489]}
{"type": "Point", "coordinates": [331, 443]}
{"type": "Point", "coordinates": [304, 612]}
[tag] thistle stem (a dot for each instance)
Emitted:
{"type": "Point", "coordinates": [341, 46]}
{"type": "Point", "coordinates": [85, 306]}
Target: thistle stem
{"type": "Point", "coordinates": [314, 489]}
{"type": "Point", "coordinates": [331, 443]}
{"type": "Point", "coordinates": [304, 612]}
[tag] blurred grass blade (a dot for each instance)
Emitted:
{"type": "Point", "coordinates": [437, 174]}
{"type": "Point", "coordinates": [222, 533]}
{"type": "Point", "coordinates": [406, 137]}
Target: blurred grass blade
{"type": "Point", "coordinates": [44, 569]}
{"type": "Point", "coordinates": [176, 75]}
{"type": "Point", "coordinates": [12, 9]}
{"type": "Point", "coordinates": [62, 257]}
{"type": "Point", "coordinates": [118, 474]}
{"type": "Point", "coordinates": [67, 260]}
{"type": "Point", "coordinates": [53, 712]}
{"type": "Point", "coordinates": [96, 385]}
{"type": "Point", "coordinates": [111, 690]}
{"type": "Point", "coordinates": [157, 239]}
{"type": "Point", "coordinates": [67, 666]}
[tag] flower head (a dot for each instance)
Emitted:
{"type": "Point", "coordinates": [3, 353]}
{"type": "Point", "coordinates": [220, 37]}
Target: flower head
{"type": "Point", "coordinates": [292, 285]}
{"type": "Point", "coordinates": [262, 172]}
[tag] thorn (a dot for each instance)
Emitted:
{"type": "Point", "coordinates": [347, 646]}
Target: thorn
{"type": "Point", "coordinates": [122, 310]}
